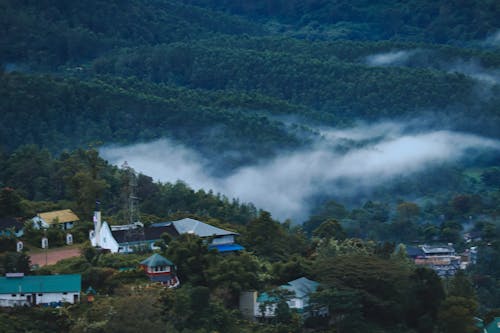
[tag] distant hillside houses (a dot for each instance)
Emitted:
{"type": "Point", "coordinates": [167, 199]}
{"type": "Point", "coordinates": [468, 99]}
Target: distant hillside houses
{"type": "Point", "coordinates": [66, 219]}
{"type": "Point", "coordinates": [296, 293]}
{"type": "Point", "coordinates": [441, 258]}
{"type": "Point", "coordinates": [131, 237]}
{"type": "Point", "coordinates": [52, 290]}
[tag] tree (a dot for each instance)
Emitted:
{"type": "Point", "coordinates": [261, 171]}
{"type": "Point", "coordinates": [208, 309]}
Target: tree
{"type": "Point", "coordinates": [382, 283]}
{"type": "Point", "coordinates": [427, 294]}
{"type": "Point", "coordinates": [344, 306]}
{"type": "Point", "coordinates": [10, 203]}
{"type": "Point", "coordinates": [230, 275]}
{"type": "Point", "coordinates": [456, 315]}
{"type": "Point", "coordinates": [266, 238]}
{"type": "Point", "coordinates": [14, 262]}
{"type": "Point", "coordinates": [330, 229]}
{"type": "Point", "coordinates": [192, 258]}
{"type": "Point", "coordinates": [407, 211]}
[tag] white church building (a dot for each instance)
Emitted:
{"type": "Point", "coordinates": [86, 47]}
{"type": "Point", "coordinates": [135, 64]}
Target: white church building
{"type": "Point", "coordinates": [127, 238]}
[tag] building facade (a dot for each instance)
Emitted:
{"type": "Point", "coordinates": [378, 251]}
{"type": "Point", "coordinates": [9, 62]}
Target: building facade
{"type": "Point", "coordinates": [53, 290]}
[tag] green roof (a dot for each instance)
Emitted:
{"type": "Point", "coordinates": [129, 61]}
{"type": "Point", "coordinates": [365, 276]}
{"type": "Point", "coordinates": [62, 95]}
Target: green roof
{"type": "Point", "coordinates": [40, 284]}
{"type": "Point", "coordinates": [156, 260]}
{"type": "Point", "coordinates": [494, 326]}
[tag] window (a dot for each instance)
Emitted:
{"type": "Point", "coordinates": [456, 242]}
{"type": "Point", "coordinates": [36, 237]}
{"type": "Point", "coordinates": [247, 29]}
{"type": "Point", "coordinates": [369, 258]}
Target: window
{"type": "Point", "coordinates": [40, 294]}
{"type": "Point", "coordinates": [65, 293]}
{"type": "Point", "coordinates": [13, 295]}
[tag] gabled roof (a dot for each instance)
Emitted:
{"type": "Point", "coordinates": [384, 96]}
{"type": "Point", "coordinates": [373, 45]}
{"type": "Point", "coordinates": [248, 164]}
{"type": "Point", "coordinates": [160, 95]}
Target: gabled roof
{"type": "Point", "coordinates": [301, 287]}
{"type": "Point", "coordinates": [156, 260]}
{"type": "Point", "coordinates": [41, 284]}
{"type": "Point", "coordinates": [414, 251]}
{"type": "Point", "coordinates": [151, 233]}
{"type": "Point", "coordinates": [437, 249]}
{"type": "Point", "coordinates": [201, 229]}
{"type": "Point", "coordinates": [61, 216]}
{"type": "Point", "coordinates": [494, 326]}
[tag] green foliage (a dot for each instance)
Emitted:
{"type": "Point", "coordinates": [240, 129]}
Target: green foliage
{"type": "Point", "coordinates": [232, 274]}
{"type": "Point", "coordinates": [428, 294]}
{"type": "Point", "coordinates": [382, 283]}
{"type": "Point", "coordinates": [192, 258]}
{"type": "Point", "coordinates": [190, 308]}
{"type": "Point", "coordinates": [14, 262]}
{"type": "Point", "coordinates": [132, 313]}
{"type": "Point", "coordinates": [330, 229]}
{"type": "Point", "coordinates": [10, 203]}
{"type": "Point", "coordinates": [43, 320]}
{"type": "Point", "coordinates": [457, 315]}
{"type": "Point", "coordinates": [436, 21]}
{"type": "Point", "coordinates": [269, 239]}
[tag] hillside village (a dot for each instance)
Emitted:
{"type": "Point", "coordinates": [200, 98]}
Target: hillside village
{"type": "Point", "coordinates": [269, 288]}
{"type": "Point", "coordinates": [264, 166]}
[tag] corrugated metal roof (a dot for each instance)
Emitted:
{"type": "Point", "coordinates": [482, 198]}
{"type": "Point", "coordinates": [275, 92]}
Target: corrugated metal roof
{"type": "Point", "coordinates": [41, 284]}
{"type": "Point", "coordinates": [301, 286]}
{"type": "Point", "coordinates": [148, 234]}
{"type": "Point", "coordinates": [201, 229]}
{"type": "Point", "coordinates": [61, 216]}
{"type": "Point", "coordinates": [494, 326]}
{"type": "Point", "coordinates": [156, 260]}
{"type": "Point", "coordinates": [227, 247]}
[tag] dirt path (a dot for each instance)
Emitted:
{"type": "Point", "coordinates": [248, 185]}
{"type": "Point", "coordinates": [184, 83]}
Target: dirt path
{"type": "Point", "coordinates": [52, 256]}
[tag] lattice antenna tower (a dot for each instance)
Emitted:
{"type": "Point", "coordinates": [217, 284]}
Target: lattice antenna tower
{"type": "Point", "coordinates": [132, 201]}
{"type": "Point", "coordinates": [133, 233]}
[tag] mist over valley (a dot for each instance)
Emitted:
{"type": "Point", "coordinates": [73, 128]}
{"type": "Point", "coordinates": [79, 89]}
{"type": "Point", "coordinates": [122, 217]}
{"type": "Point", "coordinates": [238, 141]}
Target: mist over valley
{"type": "Point", "coordinates": [345, 164]}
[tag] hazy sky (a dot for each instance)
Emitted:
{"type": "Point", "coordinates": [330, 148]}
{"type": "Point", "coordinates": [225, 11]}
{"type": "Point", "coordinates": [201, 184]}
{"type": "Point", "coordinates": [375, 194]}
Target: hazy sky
{"type": "Point", "coordinates": [284, 184]}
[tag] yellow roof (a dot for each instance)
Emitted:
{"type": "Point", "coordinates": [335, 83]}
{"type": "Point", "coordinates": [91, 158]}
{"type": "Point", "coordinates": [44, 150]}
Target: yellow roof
{"type": "Point", "coordinates": [61, 216]}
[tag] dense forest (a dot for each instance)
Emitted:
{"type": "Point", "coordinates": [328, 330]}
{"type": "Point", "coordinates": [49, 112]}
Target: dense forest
{"type": "Point", "coordinates": [250, 86]}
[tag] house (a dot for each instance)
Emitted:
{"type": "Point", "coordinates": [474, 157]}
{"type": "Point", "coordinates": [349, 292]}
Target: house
{"type": "Point", "coordinates": [127, 238]}
{"type": "Point", "coordinates": [17, 289]}
{"type": "Point", "coordinates": [441, 258]}
{"type": "Point", "coordinates": [160, 269]}
{"type": "Point", "coordinates": [297, 293]}
{"type": "Point", "coordinates": [493, 327]}
{"type": "Point", "coordinates": [65, 218]}
{"type": "Point", "coordinates": [219, 239]}
{"type": "Point", "coordinates": [11, 226]}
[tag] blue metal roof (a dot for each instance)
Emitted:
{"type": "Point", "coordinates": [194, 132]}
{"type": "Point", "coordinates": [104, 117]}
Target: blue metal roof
{"type": "Point", "coordinates": [227, 247]}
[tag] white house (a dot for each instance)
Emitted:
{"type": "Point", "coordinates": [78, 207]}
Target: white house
{"type": "Point", "coordinates": [19, 290]}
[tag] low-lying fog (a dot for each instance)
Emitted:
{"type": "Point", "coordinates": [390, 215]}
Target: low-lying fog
{"type": "Point", "coordinates": [341, 162]}
{"type": "Point", "coordinates": [430, 59]}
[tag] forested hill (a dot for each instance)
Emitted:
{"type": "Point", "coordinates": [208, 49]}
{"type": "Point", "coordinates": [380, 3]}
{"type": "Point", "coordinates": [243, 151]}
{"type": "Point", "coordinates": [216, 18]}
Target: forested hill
{"type": "Point", "coordinates": [412, 20]}
{"type": "Point", "coordinates": [218, 75]}
{"type": "Point", "coordinates": [50, 33]}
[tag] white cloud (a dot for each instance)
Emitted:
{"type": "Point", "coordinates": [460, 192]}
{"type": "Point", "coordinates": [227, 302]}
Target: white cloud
{"type": "Point", "coordinates": [393, 58]}
{"type": "Point", "coordinates": [284, 184]}
{"type": "Point", "coordinates": [493, 40]}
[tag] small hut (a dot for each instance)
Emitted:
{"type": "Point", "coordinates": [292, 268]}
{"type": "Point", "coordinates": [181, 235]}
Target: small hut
{"type": "Point", "coordinates": [160, 269]}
